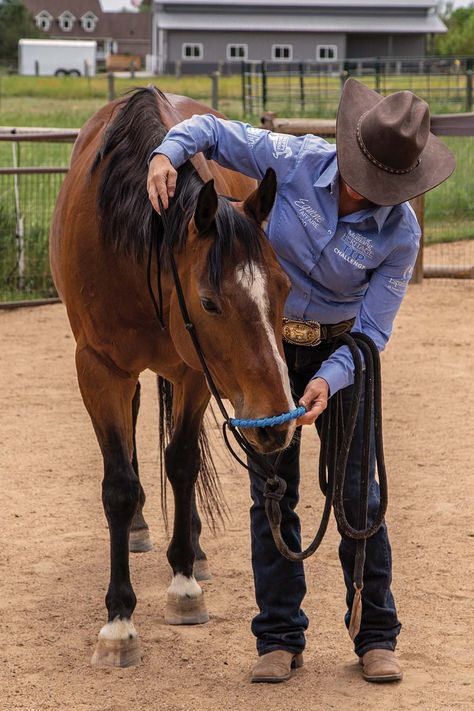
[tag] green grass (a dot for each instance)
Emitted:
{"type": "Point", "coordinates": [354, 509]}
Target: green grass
{"type": "Point", "coordinates": [68, 102]}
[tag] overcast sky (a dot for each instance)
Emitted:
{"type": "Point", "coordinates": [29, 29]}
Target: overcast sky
{"type": "Point", "coordinates": [127, 4]}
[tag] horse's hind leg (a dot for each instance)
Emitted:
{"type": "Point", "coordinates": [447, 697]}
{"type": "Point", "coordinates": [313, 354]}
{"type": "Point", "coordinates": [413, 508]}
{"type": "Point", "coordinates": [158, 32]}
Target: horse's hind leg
{"type": "Point", "coordinates": [139, 541]}
{"type": "Point", "coordinates": [185, 602]}
{"type": "Point", "coordinates": [108, 396]}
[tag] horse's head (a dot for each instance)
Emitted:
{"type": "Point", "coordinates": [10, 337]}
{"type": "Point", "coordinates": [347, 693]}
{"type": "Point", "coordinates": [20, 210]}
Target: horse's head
{"type": "Point", "coordinates": [235, 292]}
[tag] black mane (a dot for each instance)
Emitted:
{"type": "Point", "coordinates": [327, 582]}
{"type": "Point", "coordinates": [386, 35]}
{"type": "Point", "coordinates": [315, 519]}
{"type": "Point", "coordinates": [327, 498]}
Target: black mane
{"type": "Point", "coordinates": [128, 220]}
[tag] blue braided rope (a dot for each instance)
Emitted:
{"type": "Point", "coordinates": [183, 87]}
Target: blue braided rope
{"type": "Point", "coordinates": [268, 421]}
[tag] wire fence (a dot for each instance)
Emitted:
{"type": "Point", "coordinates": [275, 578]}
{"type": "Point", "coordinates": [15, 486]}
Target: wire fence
{"type": "Point", "coordinates": [33, 168]}
{"type": "Point", "coordinates": [313, 88]}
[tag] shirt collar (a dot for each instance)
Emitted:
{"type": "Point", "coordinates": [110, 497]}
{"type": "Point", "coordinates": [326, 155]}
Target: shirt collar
{"type": "Point", "coordinates": [329, 179]}
{"type": "Point", "coordinates": [329, 176]}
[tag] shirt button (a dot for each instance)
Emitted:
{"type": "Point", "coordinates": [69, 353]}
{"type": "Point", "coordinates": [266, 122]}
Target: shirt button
{"type": "Point", "coordinates": [329, 232]}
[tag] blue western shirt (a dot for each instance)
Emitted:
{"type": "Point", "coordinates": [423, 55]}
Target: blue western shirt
{"type": "Point", "coordinates": [357, 266]}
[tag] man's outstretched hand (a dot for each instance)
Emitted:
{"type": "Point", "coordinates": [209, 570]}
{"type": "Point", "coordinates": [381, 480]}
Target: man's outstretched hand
{"type": "Point", "coordinates": [161, 180]}
{"type": "Point", "coordinates": [315, 399]}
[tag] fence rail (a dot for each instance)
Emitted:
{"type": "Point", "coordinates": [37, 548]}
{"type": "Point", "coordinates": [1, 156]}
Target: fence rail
{"type": "Point", "coordinates": [34, 164]}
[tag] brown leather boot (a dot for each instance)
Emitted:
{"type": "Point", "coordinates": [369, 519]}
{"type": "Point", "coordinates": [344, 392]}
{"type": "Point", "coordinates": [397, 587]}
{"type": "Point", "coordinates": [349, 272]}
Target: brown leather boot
{"type": "Point", "coordinates": [380, 665]}
{"type": "Point", "coordinates": [276, 666]}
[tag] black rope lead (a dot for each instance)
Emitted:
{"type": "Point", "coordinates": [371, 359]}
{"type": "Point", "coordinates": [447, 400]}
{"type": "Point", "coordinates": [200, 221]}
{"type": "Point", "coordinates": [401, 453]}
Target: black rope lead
{"type": "Point", "coordinates": [336, 439]}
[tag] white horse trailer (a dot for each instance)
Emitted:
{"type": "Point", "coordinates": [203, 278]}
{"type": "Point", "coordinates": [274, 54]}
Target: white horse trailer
{"type": "Point", "coordinates": [38, 57]}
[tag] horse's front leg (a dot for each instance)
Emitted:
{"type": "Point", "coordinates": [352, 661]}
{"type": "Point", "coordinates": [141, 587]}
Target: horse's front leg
{"type": "Point", "coordinates": [185, 601]}
{"type": "Point", "coordinates": [108, 398]}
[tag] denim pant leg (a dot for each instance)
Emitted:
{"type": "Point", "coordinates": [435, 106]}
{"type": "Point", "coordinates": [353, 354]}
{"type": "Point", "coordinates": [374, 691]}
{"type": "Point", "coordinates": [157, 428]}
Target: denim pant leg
{"type": "Point", "coordinates": [279, 583]}
{"type": "Point", "coordinates": [380, 626]}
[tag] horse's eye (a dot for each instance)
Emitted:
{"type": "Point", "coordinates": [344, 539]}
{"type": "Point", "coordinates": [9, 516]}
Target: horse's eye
{"type": "Point", "coordinates": [210, 306]}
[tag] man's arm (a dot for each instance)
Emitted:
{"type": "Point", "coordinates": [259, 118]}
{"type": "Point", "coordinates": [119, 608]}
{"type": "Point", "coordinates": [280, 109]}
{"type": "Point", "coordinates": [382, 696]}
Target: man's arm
{"type": "Point", "coordinates": [379, 307]}
{"type": "Point", "coordinates": [232, 144]}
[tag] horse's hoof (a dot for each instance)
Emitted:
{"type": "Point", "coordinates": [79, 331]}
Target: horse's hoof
{"type": "Point", "coordinates": [185, 610]}
{"type": "Point", "coordinates": [201, 570]}
{"type": "Point", "coordinates": [118, 645]}
{"type": "Point", "coordinates": [139, 541]}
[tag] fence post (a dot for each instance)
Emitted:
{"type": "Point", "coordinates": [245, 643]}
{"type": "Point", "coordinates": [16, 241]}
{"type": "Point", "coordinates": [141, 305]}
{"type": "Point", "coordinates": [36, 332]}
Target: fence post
{"type": "Point", "coordinates": [37, 68]}
{"type": "Point", "coordinates": [244, 102]}
{"type": "Point", "coordinates": [469, 84]}
{"type": "Point", "coordinates": [215, 89]}
{"type": "Point", "coordinates": [302, 96]}
{"type": "Point", "coordinates": [343, 78]}
{"type": "Point", "coordinates": [418, 204]}
{"type": "Point", "coordinates": [264, 86]}
{"type": "Point", "coordinates": [19, 224]}
{"type": "Point", "coordinates": [111, 86]}
{"type": "Point", "coordinates": [132, 69]}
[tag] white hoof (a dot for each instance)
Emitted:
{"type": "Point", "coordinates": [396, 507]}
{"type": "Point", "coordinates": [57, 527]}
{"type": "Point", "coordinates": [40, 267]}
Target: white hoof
{"type": "Point", "coordinates": [118, 645]}
{"type": "Point", "coordinates": [185, 602]}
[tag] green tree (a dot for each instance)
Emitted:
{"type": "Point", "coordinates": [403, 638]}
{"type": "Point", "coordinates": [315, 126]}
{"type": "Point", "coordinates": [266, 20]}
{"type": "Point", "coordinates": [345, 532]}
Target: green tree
{"type": "Point", "coordinates": [15, 23]}
{"type": "Point", "coordinates": [459, 39]}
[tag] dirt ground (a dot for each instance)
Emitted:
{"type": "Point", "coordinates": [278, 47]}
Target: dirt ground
{"type": "Point", "coordinates": [55, 543]}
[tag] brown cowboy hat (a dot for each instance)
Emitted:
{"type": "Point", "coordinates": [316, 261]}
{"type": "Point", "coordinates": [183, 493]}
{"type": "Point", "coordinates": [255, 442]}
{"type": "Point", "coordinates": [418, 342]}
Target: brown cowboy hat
{"type": "Point", "coordinates": [385, 150]}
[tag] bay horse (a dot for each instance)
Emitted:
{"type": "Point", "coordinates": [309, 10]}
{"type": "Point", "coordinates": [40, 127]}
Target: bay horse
{"type": "Point", "coordinates": [102, 232]}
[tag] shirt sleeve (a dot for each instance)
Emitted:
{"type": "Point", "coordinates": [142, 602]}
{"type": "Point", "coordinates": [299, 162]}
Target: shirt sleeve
{"type": "Point", "coordinates": [387, 287]}
{"type": "Point", "coordinates": [232, 144]}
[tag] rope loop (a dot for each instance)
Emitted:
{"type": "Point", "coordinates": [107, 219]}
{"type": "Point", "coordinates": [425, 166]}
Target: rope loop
{"type": "Point", "coordinates": [268, 421]}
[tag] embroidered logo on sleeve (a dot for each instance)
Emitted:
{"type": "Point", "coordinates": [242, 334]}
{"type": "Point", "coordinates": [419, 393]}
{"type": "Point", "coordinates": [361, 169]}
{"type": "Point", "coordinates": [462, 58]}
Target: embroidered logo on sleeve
{"type": "Point", "coordinates": [281, 147]}
{"type": "Point", "coordinates": [399, 286]}
{"type": "Point", "coordinates": [253, 134]}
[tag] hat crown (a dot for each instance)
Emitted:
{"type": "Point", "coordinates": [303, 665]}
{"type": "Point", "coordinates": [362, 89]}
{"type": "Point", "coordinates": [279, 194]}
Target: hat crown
{"type": "Point", "coordinates": [395, 131]}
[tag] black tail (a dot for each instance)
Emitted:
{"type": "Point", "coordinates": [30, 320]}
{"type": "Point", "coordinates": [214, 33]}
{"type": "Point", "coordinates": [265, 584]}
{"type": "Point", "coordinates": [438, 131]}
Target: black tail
{"type": "Point", "coordinates": [209, 491]}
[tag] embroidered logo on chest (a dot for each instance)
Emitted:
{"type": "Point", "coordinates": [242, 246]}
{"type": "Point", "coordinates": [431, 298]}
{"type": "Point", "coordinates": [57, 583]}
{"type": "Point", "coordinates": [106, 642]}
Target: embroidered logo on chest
{"type": "Point", "coordinates": [280, 145]}
{"type": "Point", "coordinates": [357, 249]}
{"type": "Point", "coordinates": [307, 214]}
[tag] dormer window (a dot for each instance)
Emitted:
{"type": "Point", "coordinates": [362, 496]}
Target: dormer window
{"type": "Point", "coordinates": [66, 21]}
{"type": "Point", "coordinates": [43, 20]}
{"type": "Point", "coordinates": [89, 22]}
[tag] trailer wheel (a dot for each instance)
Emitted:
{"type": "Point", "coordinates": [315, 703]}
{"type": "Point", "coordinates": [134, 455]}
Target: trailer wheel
{"type": "Point", "coordinates": [74, 73]}
{"type": "Point", "coordinates": [61, 73]}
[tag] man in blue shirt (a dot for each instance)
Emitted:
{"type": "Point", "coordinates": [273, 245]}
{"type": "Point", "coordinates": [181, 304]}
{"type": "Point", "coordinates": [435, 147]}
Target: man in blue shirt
{"type": "Point", "coordinates": [345, 235]}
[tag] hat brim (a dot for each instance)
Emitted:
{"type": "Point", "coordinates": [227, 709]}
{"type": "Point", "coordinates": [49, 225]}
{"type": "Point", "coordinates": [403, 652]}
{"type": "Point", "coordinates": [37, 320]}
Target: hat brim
{"type": "Point", "coordinates": [375, 184]}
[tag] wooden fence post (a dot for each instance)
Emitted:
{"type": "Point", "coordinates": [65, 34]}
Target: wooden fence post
{"type": "Point", "coordinates": [418, 204]}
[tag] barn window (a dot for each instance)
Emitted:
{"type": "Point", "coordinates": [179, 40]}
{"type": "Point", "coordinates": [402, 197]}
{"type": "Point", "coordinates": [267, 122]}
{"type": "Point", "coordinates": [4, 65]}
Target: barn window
{"type": "Point", "coordinates": [192, 51]}
{"type": "Point", "coordinates": [282, 51]}
{"type": "Point", "coordinates": [43, 20]}
{"type": "Point", "coordinates": [237, 51]}
{"type": "Point", "coordinates": [326, 52]}
{"type": "Point", "coordinates": [66, 21]}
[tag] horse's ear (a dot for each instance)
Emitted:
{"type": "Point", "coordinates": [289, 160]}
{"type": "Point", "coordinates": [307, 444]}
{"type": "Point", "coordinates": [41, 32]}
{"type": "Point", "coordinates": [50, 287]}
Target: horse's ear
{"type": "Point", "coordinates": [260, 202]}
{"type": "Point", "coordinates": [206, 207]}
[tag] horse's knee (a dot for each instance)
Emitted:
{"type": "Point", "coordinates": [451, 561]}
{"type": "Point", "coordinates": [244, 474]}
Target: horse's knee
{"type": "Point", "coordinates": [182, 464]}
{"type": "Point", "coordinates": [120, 496]}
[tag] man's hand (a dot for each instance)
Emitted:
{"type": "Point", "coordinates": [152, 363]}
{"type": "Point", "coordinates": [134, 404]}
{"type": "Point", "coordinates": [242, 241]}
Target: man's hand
{"type": "Point", "coordinates": [315, 399]}
{"type": "Point", "coordinates": [161, 180]}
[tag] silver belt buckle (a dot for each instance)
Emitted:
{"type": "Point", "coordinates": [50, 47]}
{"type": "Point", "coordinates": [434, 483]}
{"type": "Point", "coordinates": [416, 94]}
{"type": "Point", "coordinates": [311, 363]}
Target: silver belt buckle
{"type": "Point", "coordinates": [301, 333]}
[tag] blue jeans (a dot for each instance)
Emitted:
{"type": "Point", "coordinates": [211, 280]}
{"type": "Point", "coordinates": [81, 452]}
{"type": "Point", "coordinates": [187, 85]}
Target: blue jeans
{"type": "Point", "coordinates": [279, 583]}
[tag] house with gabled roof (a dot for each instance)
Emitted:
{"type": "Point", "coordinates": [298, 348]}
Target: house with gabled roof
{"type": "Point", "coordinates": [115, 32]}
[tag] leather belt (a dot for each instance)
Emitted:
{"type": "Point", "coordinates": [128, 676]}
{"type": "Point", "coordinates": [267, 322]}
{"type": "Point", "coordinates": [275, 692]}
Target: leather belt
{"type": "Point", "coordinates": [312, 333]}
